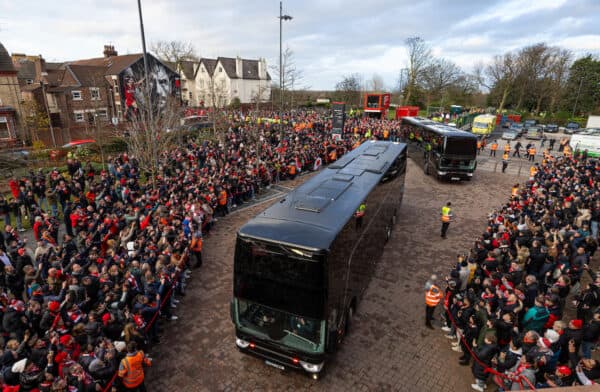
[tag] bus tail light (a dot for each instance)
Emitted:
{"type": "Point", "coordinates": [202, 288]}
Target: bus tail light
{"type": "Point", "coordinates": [295, 360]}
{"type": "Point", "coordinates": [252, 345]}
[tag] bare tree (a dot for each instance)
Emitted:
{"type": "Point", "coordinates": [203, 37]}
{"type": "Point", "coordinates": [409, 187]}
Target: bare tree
{"type": "Point", "coordinates": [36, 117]}
{"type": "Point", "coordinates": [437, 77]}
{"type": "Point", "coordinates": [349, 89]}
{"type": "Point", "coordinates": [174, 51]}
{"type": "Point", "coordinates": [376, 83]}
{"type": "Point", "coordinates": [258, 94]}
{"type": "Point", "coordinates": [503, 72]}
{"type": "Point", "coordinates": [148, 136]}
{"type": "Point", "coordinates": [419, 56]}
{"type": "Point", "coordinates": [292, 76]}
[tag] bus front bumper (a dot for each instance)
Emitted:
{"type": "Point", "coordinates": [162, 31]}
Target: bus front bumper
{"type": "Point", "coordinates": [454, 176]}
{"type": "Point", "coordinates": [275, 358]}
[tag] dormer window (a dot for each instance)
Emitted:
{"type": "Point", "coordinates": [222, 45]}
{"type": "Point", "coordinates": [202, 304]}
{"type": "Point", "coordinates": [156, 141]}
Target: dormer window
{"type": "Point", "coordinates": [220, 69]}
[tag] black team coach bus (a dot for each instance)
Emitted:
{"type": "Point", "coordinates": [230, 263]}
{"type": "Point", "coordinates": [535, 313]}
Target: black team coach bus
{"type": "Point", "coordinates": [301, 266]}
{"type": "Point", "coordinates": [443, 151]}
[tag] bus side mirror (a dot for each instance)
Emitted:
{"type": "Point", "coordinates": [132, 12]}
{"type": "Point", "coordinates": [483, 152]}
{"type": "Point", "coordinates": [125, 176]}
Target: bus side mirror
{"type": "Point", "coordinates": [232, 311]}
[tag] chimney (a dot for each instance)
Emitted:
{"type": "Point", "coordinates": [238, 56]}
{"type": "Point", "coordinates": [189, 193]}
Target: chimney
{"type": "Point", "coordinates": [238, 67]}
{"type": "Point", "coordinates": [109, 51]}
{"type": "Point", "coordinates": [262, 69]}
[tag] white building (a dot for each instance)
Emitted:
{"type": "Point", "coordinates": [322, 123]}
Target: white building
{"type": "Point", "coordinates": [219, 81]}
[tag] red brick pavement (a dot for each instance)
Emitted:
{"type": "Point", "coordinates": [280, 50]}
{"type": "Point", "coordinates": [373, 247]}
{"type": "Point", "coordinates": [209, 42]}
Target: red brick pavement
{"type": "Point", "coordinates": [388, 348]}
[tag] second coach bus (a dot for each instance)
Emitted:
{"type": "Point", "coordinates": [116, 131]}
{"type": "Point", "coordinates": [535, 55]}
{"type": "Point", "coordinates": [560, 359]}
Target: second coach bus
{"type": "Point", "coordinates": [443, 151]}
{"type": "Point", "coordinates": [302, 265]}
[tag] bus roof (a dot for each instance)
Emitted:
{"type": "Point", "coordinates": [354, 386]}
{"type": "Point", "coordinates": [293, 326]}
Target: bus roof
{"type": "Point", "coordinates": [312, 215]}
{"type": "Point", "coordinates": [437, 127]}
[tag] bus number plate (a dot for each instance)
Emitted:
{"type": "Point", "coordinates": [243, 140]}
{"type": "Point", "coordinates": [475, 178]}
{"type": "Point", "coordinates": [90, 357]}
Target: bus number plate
{"type": "Point", "coordinates": [455, 179]}
{"type": "Point", "coordinates": [275, 365]}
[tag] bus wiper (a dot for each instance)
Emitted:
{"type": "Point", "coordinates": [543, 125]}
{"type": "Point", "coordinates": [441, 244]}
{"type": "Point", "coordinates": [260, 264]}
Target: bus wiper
{"type": "Point", "coordinates": [301, 337]}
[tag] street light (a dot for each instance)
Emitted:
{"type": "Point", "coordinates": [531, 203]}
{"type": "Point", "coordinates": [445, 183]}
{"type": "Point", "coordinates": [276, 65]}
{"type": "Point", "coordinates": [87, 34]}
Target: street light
{"type": "Point", "coordinates": [281, 19]}
{"type": "Point", "coordinates": [146, 80]}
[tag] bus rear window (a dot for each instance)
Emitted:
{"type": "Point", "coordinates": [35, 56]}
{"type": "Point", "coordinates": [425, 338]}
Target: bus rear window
{"type": "Point", "coordinates": [460, 146]}
{"type": "Point", "coordinates": [278, 276]}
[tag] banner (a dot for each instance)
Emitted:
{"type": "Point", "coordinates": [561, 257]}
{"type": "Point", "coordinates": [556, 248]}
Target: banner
{"type": "Point", "coordinates": [339, 117]}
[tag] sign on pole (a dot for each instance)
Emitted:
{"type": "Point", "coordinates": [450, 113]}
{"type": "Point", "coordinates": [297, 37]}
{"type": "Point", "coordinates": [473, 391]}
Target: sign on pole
{"type": "Point", "coordinates": [339, 117]}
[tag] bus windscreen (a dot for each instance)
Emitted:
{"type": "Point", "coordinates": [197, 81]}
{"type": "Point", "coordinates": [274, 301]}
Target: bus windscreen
{"type": "Point", "coordinates": [461, 146]}
{"type": "Point", "coordinates": [280, 277]}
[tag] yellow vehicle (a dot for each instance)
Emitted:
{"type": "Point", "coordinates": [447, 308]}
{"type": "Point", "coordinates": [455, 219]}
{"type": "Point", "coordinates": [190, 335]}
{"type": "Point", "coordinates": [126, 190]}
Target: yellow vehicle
{"type": "Point", "coordinates": [483, 124]}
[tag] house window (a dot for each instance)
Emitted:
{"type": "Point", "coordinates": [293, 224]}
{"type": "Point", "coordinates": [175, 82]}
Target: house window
{"type": "Point", "coordinates": [220, 69]}
{"type": "Point", "coordinates": [190, 95]}
{"type": "Point", "coordinates": [4, 132]}
{"type": "Point", "coordinates": [79, 116]}
{"type": "Point", "coordinates": [76, 94]}
{"type": "Point", "coordinates": [29, 81]}
{"type": "Point", "coordinates": [95, 93]}
{"type": "Point", "coordinates": [102, 113]}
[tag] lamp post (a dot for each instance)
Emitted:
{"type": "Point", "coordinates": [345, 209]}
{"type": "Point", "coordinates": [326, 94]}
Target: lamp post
{"type": "Point", "coordinates": [47, 108]}
{"type": "Point", "coordinates": [281, 19]}
{"type": "Point", "coordinates": [146, 80]}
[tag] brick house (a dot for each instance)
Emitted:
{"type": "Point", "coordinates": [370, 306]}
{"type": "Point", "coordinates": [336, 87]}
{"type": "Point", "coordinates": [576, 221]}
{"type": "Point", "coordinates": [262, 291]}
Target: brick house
{"type": "Point", "coordinates": [84, 96]}
{"type": "Point", "coordinates": [11, 111]}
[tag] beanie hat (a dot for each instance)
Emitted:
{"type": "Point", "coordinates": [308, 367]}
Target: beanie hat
{"type": "Point", "coordinates": [54, 306]}
{"type": "Point", "coordinates": [543, 342]}
{"type": "Point", "coordinates": [65, 339]}
{"type": "Point", "coordinates": [564, 370]}
{"type": "Point", "coordinates": [577, 323]}
{"type": "Point", "coordinates": [21, 251]}
{"type": "Point", "coordinates": [552, 336]}
{"type": "Point", "coordinates": [105, 318]}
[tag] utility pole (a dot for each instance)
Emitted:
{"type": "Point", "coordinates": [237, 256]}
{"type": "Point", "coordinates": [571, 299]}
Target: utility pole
{"type": "Point", "coordinates": [282, 17]}
{"type": "Point", "coordinates": [146, 80]}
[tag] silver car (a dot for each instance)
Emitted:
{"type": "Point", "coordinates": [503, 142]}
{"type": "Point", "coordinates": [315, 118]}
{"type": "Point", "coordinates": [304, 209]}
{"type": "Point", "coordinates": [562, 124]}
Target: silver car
{"type": "Point", "coordinates": [510, 134]}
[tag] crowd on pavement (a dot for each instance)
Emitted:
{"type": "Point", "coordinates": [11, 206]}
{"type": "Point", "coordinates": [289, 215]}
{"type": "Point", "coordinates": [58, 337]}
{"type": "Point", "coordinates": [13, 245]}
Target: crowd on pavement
{"type": "Point", "coordinates": [113, 251]}
{"type": "Point", "coordinates": [506, 299]}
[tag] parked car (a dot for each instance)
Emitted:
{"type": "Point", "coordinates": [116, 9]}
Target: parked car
{"type": "Point", "coordinates": [551, 128]}
{"type": "Point", "coordinates": [534, 132]}
{"type": "Point", "coordinates": [518, 127]}
{"type": "Point", "coordinates": [529, 123]}
{"type": "Point", "coordinates": [506, 124]}
{"type": "Point", "coordinates": [572, 128]}
{"type": "Point", "coordinates": [510, 134]}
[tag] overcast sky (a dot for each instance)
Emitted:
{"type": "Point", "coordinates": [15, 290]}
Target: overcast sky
{"type": "Point", "coordinates": [329, 38]}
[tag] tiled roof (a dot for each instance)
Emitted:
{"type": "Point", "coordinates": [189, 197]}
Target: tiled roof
{"type": "Point", "coordinates": [229, 66]}
{"type": "Point", "coordinates": [26, 69]}
{"type": "Point", "coordinates": [6, 64]}
{"type": "Point", "coordinates": [53, 66]}
{"type": "Point", "coordinates": [250, 69]}
{"type": "Point", "coordinates": [89, 76]}
{"type": "Point", "coordinates": [210, 65]}
{"type": "Point", "coordinates": [113, 65]}
{"type": "Point", "coordinates": [187, 67]}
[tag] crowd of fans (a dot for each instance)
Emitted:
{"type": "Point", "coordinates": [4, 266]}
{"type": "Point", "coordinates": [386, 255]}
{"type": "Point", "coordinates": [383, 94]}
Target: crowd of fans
{"type": "Point", "coordinates": [113, 250]}
{"type": "Point", "coordinates": [506, 299]}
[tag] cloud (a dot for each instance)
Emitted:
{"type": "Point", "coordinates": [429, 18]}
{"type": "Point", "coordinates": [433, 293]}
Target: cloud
{"type": "Point", "coordinates": [329, 39]}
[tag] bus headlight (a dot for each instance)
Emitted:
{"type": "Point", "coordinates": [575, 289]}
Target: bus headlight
{"type": "Point", "coordinates": [311, 367]}
{"type": "Point", "coordinates": [241, 343]}
{"type": "Point", "coordinates": [441, 173]}
{"type": "Point", "coordinates": [469, 174]}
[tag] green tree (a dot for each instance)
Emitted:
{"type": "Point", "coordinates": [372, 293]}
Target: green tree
{"type": "Point", "coordinates": [582, 91]}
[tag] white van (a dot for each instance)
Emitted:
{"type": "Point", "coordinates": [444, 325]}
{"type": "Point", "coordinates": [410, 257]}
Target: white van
{"type": "Point", "coordinates": [586, 142]}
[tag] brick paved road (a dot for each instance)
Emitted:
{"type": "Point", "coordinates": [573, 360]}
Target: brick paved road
{"type": "Point", "coordinates": [388, 348]}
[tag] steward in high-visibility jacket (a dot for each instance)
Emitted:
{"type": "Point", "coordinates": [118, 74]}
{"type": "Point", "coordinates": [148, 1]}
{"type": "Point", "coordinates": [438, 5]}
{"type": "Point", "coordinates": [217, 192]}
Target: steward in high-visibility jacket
{"type": "Point", "coordinates": [223, 198]}
{"type": "Point", "coordinates": [494, 146]}
{"type": "Point", "coordinates": [507, 148]}
{"type": "Point", "coordinates": [515, 190]}
{"type": "Point", "coordinates": [386, 134]}
{"type": "Point", "coordinates": [433, 296]}
{"type": "Point", "coordinates": [131, 368]}
{"type": "Point", "coordinates": [532, 171]}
